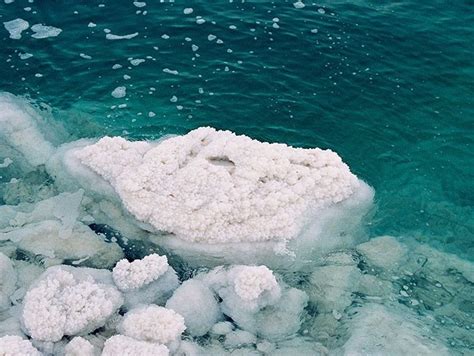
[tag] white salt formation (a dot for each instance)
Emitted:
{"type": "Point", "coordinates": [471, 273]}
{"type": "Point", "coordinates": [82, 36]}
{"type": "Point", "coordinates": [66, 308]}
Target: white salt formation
{"type": "Point", "coordinates": [152, 323]}
{"type": "Point", "coordinates": [149, 280]}
{"type": "Point", "coordinates": [214, 186]}
{"type": "Point", "coordinates": [127, 346]}
{"type": "Point", "coordinates": [16, 346]}
{"type": "Point", "coordinates": [68, 301]}
{"type": "Point", "coordinates": [132, 275]}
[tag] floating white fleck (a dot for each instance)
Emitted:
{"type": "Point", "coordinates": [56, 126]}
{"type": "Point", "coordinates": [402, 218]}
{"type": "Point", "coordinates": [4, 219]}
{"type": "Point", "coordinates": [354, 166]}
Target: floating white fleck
{"type": "Point", "coordinates": [314, 30]}
{"type": "Point", "coordinates": [112, 37]}
{"type": "Point", "coordinates": [119, 92]}
{"type": "Point", "coordinates": [139, 3]}
{"type": "Point", "coordinates": [16, 27]}
{"type": "Point", "coordinates": [25, 55]}
{"type": "Point", "coordinates": [188, 11]}
{"type": "Point", "coordinates": [38, 75]}
{"type": "Point", "coordinates": [116, 66]}
{"type": "Point", "coordinates": [151, 114]}
{"type": "Point", "coordinates": [233, 27]}
{"type": "Point", "coordinates": [174, 99]}
{"type": "Point", "coordinates": [170, 71]}
{"type": "Point", "coordinates": [299, 5]}
{"type": "Point", "coordinates": [321, 11]}
{"type": "Point", "coordinates": [126, 77]}
{"type": "Point", "coordinates": [200, 21]}
{"type": "Point", "coordinates": [41, 31]}
{"type": "Point", "coordinates": [85, 56]}
{"type": "Point", "coordinates": [165, 36]}
{"type": "Point", "coordinates": [211, 37]}
{"type": "Point", "coordinates": [194, 47]}
{"type": "Point", "coordinates": [91, 24]}
{"type": "Point", "coordinates": [137, 61]}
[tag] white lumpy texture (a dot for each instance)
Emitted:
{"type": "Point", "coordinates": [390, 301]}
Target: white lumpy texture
{"type": "Point", "coordinates": [251, 282]}
{"type": "Point", "coordinates": [67, 301]}
{"type": "Point", "coordinates": [132, 275]}
{"type": "Point", "coordinates": [127, 346]}
{"type": "Point", "coordinates": [214, 186]}
{"type": "Point", "coordinates": [153, 323]}
{"type": "Point", "coordinates": [15, 345]}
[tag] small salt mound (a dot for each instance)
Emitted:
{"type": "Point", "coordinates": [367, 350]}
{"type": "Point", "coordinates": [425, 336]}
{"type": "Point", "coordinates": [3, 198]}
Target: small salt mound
{"type": "Point", "coordinates": [79, 347]}
{"type": "Point", "coordinates": [127, 346]}
{"type": "Point", "coordinates": [133, 275]}
{"type": "Point", "coordinates": [145, 281]}
{"type": "Point", "coordinates": [69, 301]}
{"type": "Point", "coordinates": [264, 190]}
{"type": "Point", "coordinates": [198, 306]}
{"type": "Point", "coordinates": [152, 323]}
{"type": "Point", "coordinates": [16, 27]}
{"type": "Point", "coordinates": [41, 31]}
{"type": "Point", "coordinates": [15, 345]}
{"type": "Point", "coordinates": [251, 282]}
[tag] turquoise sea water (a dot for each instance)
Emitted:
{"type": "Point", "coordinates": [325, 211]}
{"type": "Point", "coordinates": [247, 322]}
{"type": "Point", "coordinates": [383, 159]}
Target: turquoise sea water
{"type": "Point", "coordinates": [388, 86]}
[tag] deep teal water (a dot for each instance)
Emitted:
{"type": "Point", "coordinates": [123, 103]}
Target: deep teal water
{"type": "Point", "coordinates": [389, 86]}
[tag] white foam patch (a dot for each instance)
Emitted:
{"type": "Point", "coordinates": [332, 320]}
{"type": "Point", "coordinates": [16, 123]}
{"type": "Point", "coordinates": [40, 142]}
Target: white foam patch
{"type": "Point", "coordinates": [16, 27]}
{"type": "Point", "coordinates": [119, 92]}
{"type": "Point", "coordinates": [112, 37]}
{"type": "Point", "coordinates": [42, 31]}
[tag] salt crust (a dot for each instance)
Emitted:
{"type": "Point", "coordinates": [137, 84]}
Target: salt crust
{"type": "Point", "coordinates": [214, 186]}
{"type": "Point", "coordinates": [127, 346]}
{"type": "Point", "coordinates": [16, 346]}
{"type": "Point", "coordinates": [132, 275]}
{"type": "Point", "coordinates": [68, 301]}
{"type": "Point", "coordinates": [153, 323]}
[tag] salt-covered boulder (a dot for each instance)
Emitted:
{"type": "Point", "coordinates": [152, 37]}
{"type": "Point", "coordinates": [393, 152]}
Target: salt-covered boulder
{"type": "Point", "coordinates": [153, 324]}
{"type": "Point", "coordinates": [215, 194]}
{"type": "Point", "coordinates": [256, 301]}
{"type": "Point", "coordinates": [69, 301]}
{"type": "Point", "coordinates": [15, 345]}
{"type": "Point", "coordinates": [127, 346]}
{"type": "Point", "coordinates": [145, 281]}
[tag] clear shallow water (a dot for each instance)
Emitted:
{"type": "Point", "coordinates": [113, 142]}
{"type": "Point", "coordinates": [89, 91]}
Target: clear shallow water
{"type": "Point", "coordinates": [389, 87]}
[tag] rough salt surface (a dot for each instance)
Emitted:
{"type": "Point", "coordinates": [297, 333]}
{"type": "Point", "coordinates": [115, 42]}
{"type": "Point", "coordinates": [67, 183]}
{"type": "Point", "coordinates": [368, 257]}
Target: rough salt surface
{"type": "Point", "coordinates": [133, 275]}
{"type": "Point", "coordinates": [251, 282]}
{"type": "Point", "coordinates": [127, 346]}
{"type": "Point", "coordinates": [16, 346]}
{"type": "Point", "coordinates": [153, 323]}
{"type": "Point", "coordinates": [67, 301]}
{"type": "Point", "coordinates": [264, 192]}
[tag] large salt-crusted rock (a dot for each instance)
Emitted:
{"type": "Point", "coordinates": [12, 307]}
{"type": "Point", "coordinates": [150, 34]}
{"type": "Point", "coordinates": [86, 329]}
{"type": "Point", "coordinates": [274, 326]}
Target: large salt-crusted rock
{"type": "Point", "coordinates": [215, 186]}
{"type": "Point", "coordinates": [69, 301]}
